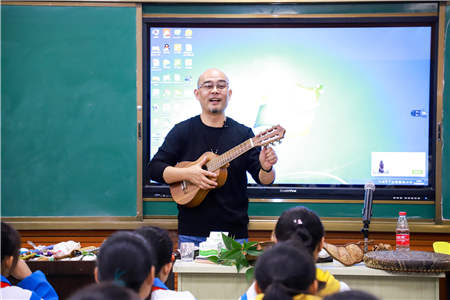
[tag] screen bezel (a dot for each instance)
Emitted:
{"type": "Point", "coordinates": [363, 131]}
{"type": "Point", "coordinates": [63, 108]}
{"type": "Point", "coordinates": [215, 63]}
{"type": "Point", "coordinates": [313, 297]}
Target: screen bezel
{"type": "Point", "coordinates": [279, 192]}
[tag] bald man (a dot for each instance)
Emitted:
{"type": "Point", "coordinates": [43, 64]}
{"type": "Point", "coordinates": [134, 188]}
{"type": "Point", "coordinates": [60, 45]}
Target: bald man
{"type": "Point", "coordinates": [224, 208]}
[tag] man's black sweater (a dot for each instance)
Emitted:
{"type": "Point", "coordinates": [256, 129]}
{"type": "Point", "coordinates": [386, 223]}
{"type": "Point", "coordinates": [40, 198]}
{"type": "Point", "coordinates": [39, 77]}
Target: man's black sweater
{"type": "Point", "coordinates": [225, 208]}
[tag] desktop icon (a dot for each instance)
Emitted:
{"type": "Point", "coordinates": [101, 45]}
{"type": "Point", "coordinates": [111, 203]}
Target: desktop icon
{"type": "Point", "coordinates": [166, 49]}
{"type": "Point", "coordinates": [155, 33]}
{"type": "Point", "coordinates": [177, 48]}
{"type": "Point", "coordinates": [188, 63]}
{"type": "Point", "coordinates": [188, 33]}
{"type": "Point", "coordinates": [155, 62]}
{"type": "Point", "coordinates": [177, 63]}
{"type": "Point", "coordinates": [188, 47]}
{"type": "Point", "coordinates": [166, 33]}
{"type": "Point", "coordinates": [166, 63]}
{"type": "Point", "coordinates": [177, 32]}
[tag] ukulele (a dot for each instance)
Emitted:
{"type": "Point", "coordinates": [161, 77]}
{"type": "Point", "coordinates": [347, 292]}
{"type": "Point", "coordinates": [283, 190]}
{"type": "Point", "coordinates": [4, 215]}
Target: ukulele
{"type": "Point", "coordinates": [188, 194]}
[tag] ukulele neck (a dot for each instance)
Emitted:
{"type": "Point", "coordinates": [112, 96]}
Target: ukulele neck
{"type": "Point", "coordinates": [220, 161]}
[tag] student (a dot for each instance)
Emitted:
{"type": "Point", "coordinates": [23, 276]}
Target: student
{"type": "Point", "coordinates": [127, 259]}
{"type": "Point", "coordinates": [160, 240]}
{"type": "Point", "coordinates": [351, 295]}
{"type": "Point", "coordinates": [104, 291]}
{"type": "Point", "coordinates": [302, 224]}
{"type": "Point", "coordinates": [32, 285]}
{"type": "Point", "coordinates": [286, 271]}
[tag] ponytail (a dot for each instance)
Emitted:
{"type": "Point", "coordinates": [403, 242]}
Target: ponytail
{"type": "Point", "coordinates": [303, 237]}
{"type": "Point", "coordinates": [277, 291]}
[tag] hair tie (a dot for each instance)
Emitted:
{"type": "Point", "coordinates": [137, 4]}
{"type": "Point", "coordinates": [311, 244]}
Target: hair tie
{"type": "Point", "coordinates": [298, 221]}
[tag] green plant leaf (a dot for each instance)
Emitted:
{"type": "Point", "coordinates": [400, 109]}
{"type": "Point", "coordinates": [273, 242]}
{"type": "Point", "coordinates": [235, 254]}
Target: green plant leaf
{"type": "Point", "coordinates": [227, 241]}
{"type": "Point", "coordinates": [214, 259]}
{"type": "Point", "coordinates": [226, 262]}
{"type": "Point", "coordinates": [232, 254]}
{"type": "Point", "coordinates": [254, 252]}
{"type": "Point", "coordinates": [238, 267]}
{"type": "Point", "coordinates": [249, 274]}
{"type": "Point", "coordinates": [250, 245]}
{"type": "Point", "coordinates": [242, 260]}
{"type": "Point", "coordinates": [236, 254]}
{"type": "Point", "coordinates": [230, 243]}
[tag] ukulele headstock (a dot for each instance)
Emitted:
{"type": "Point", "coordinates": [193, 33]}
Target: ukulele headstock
{"type": "Point", "coordinates": [269, 136]}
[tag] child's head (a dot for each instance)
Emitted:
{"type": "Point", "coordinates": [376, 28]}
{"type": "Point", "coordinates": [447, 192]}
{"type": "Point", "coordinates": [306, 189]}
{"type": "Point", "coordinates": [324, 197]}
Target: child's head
{"type": "Point", "coordinates": [285, 270]}
{"type": "Point", "coordinates": [10, 248]}
{"type": "Point", "coordinates": [351, 295]}
{"type": "Point", "coordinates": [104, 290]}
{"type": "Point", "coordinates": [302, 224]}
{"type": "Point", "coordinates": [160, 240]}
{"type": "Point", "coordinates": [127, 258]}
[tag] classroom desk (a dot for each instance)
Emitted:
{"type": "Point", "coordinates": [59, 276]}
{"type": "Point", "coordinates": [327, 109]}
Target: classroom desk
{"type": "Point", "coordinates": [69, 276]}
{"type": "Point", "coordinates": [66, 277]}
{"type": "Point", "coordinates": [211, 281]}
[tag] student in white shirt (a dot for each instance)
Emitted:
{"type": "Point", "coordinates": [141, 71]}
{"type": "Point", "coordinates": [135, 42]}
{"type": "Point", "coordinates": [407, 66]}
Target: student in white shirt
{"type": "Point", "coordinates": [160, 240]}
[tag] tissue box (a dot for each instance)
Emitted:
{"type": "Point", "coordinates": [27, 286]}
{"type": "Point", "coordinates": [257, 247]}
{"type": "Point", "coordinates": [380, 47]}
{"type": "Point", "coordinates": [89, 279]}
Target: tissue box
{"type": "Point", "coordinates": [213, 244]}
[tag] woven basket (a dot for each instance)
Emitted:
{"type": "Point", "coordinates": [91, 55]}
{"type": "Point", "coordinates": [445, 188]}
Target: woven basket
{"type": "Point", "coordinates": [408, 261]}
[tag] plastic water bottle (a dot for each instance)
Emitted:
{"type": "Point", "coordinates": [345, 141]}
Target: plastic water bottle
{"type": "Point", "coordinates": [402, 233]}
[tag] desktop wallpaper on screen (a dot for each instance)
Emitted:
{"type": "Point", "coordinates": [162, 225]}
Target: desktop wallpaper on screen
{"type": "Point", "coordinates": [354, 101]}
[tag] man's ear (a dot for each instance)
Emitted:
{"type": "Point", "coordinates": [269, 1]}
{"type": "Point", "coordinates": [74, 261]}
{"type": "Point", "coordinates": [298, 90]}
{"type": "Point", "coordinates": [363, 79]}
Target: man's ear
{"type": "Point", "coordinates": [96, 274]}
{"type": "Point", "coordinates": [230, 92]}
{"type": "Point", "coordinates": [196, 92]}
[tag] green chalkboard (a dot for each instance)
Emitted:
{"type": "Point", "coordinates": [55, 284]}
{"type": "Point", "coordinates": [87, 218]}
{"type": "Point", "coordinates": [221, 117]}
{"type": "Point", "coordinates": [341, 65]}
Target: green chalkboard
{"type": "Point", "coordinates": [68, 115]}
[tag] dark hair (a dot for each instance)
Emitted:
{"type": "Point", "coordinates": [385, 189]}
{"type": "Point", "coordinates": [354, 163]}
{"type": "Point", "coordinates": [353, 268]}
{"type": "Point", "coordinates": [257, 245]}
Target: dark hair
{"type": "Point", "coordinates": [284, 271]}
{"type": "Point", "coordinates": [10, 243]}
{"type": "Point", "coordinates": [300, 223]}
{"type": "Point", "coordinates": [126, 258]}
{"type": "Point", "coordinates": [162, 245]}
{"type": "Point", "coordinates": [105, 290]}
{"type": "Point", "coordinates": [351, 295]}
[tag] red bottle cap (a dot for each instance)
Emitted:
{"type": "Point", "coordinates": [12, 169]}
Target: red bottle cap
{"type": "Point", "coordinates": [402, 213]}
